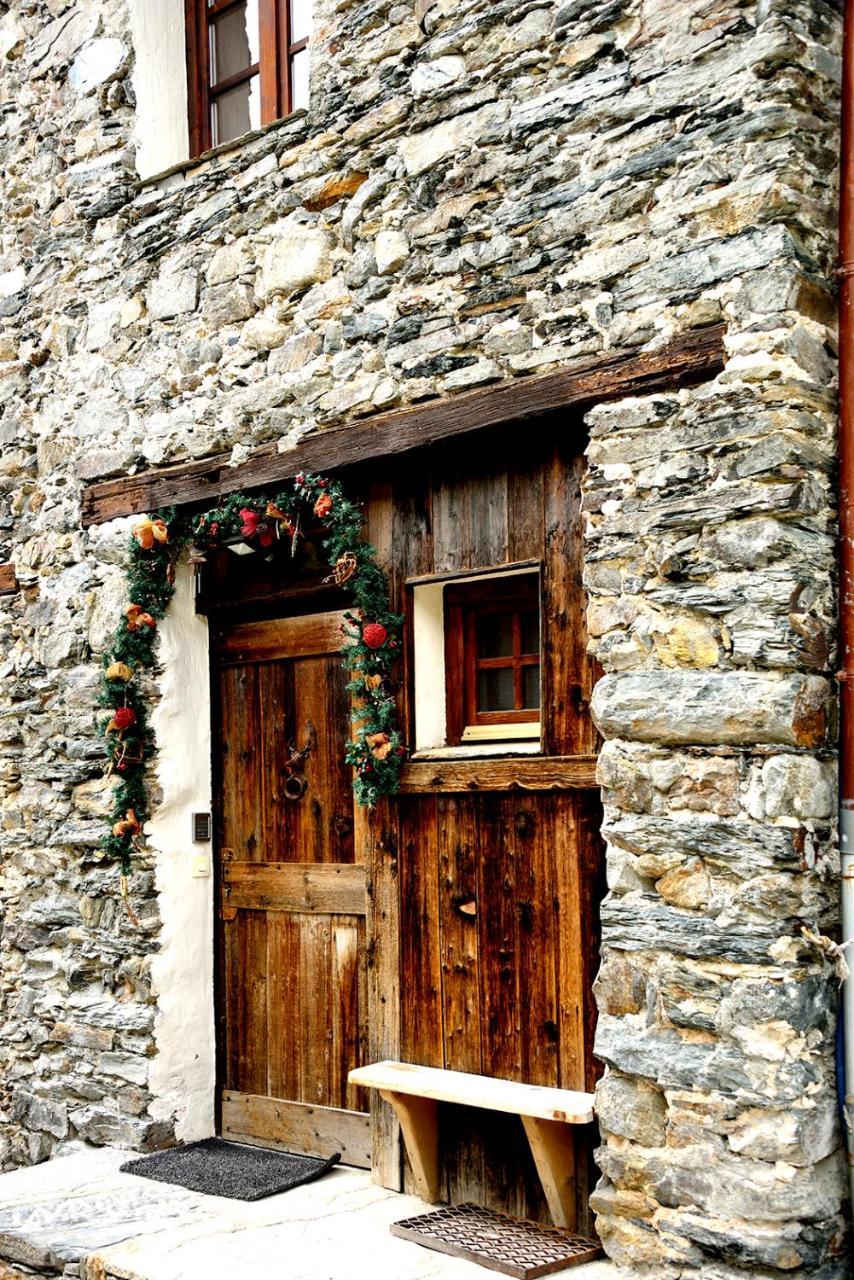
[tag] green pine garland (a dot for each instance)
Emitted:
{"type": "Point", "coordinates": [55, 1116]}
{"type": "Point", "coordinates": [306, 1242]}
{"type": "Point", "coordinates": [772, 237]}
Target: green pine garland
{"type": "Point", "coordinates": [373, 635]}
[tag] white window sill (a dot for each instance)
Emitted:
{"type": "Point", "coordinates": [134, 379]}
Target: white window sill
{"type": "Point", "coordinates": [478, 750]}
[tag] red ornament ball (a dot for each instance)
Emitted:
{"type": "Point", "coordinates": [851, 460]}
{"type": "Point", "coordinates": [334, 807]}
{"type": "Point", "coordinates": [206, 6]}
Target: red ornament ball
{"type": "Point", "coordinates": [374, 635]}
{"type": "Point", "coordinates": [124, 718]}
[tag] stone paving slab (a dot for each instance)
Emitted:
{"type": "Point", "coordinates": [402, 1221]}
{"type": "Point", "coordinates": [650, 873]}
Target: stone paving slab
{"type": "Point", "coordinates": [81, 1209]}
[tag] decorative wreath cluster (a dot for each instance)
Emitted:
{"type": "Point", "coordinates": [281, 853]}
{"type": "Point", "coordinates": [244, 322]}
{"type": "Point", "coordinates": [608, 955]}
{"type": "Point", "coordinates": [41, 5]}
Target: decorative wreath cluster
{"type": "Point", "coordinates": [372, 636]}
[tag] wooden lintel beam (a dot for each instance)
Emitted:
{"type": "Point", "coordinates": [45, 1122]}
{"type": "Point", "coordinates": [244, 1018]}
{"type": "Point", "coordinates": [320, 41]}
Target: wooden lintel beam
{"type": "Point", "coordinates": [689, 358]}
{"type": "Point", "coordinates": [8, 580]}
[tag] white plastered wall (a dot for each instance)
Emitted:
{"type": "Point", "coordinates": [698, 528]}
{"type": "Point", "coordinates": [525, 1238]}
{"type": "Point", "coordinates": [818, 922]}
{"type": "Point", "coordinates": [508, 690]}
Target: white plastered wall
{"type": "Point", "coordinates": [160, 85]}
{"type": "Point", "coordinates": [183, 1071]}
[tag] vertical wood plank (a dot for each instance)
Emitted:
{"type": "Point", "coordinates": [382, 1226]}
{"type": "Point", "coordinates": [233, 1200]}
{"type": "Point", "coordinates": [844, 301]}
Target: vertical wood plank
{"type": "Point", "coordinates": [421, 1022]}
{"type": "Point", "coordinates": [377, 846]}
{"type": "Point", "coordinates": [571, 943]}
{"type": "Point", "coordinates": [252, 987]}
{"type": "Point", "coordinates": [525, 512]}
{"type": "Point", "coordinates": [538, 938]}
{"type": "Point", "coordinates": [323, 826]}
{"type": "Point", "coordinates": [347, 941]}
{"type": "Point", "coordinates": [241, 777]}
{"type": "Point", "coordinates": [283, 1005]}
{"type": "Point", "coordinates": [275, 728]}
{"type": "Point", "coordinates": [489, 518]}
{"type": "Point", "coordinates": [497, 929]}
{"type": "Point", "coordinates": [568, 672]}
{"type": "Point", "coordinates": [453, 536]}
{"type": "Point", "coordinates": [314, 1027]}
{"type": "Point", "coordinates": [398, 525]}
{"type": "Point", "coordinates": [458, 928]}
{"type": "Point", "coordinates": [230, 994]}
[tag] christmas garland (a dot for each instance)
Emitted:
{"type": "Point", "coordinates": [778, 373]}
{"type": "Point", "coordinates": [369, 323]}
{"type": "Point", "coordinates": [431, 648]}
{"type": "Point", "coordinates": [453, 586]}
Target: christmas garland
{"type": "Point", "coordinates": [372, 637]}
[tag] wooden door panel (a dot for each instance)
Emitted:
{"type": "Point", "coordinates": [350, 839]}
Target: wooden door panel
{"type": "Point", "coordinates": [293, 900]}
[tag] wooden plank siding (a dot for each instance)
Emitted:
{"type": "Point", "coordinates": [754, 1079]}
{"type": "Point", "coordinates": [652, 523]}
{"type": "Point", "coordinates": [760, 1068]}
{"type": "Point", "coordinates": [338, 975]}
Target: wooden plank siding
{"type": "Point", "coordinates": [482, 879]}
{"type": "Point", "coordinates": [499, 860]}
{"type": "Point", "coordinates": [691, 357]}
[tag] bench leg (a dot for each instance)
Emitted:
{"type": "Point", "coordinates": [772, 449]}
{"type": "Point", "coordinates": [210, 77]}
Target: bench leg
{"type": "Point", "coordinates": [553, 1149]}
{"type": "Point", "coordinates": [419, 1124]}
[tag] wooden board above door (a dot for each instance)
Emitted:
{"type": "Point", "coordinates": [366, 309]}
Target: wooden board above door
{"type": "Point", "coordinates": [689, 358]}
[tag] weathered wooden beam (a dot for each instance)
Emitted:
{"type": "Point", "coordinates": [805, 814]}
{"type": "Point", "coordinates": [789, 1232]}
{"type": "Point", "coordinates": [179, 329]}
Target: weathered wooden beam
{"type": "Point", "coordinates": [536, 773]}
{"type": "Point", "coordinates": [689, 358]}
{"type": "Point", "coordinates": [8, 580]}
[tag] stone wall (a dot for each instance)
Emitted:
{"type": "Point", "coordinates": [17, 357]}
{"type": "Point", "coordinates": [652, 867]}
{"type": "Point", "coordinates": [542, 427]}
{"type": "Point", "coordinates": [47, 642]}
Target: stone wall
{"type": "Point", "coordinates": [479, 191]}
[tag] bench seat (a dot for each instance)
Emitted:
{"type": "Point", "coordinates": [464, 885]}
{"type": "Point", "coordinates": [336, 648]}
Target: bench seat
{"type": "Point", "coordinates": [546, 1113]}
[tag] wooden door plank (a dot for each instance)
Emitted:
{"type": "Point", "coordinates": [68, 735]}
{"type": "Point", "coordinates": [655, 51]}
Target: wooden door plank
{"type": "Point", "coordinates": [534, 773]}
{"type": "Point", "coordinates": [317, 1085]}
{"type": "Point", "coordinates": [304, 636]}
{"type": "Point", "coordinates": [377, 846]}
{"type": "Point", "coordinates": [297, 1127]}
{"type": "Point", "coordinates": [239, 776]}
{"type": "Point", "coordinates": [538, 937]}
{"type": "Point", "coordinates": [568, 672]}
{"type": "Point", "coordinates": [569, 952]}
{"type": "Point", "coordinates": [252, 1013]}
{"type": "Point", "coordinates": [498, 942]}
{"type": "Point", "coordinates": [230, 1003]}
{"type": "Point", "coordinates": [421, 970]}
{"type": "Point", "coordinates": [310, 887]}
{"type": "Point", "coordinates": [283, 1003]}
{"type": "Point", "coordinates": [275, 729]}
{"type": "Point", "coordinates": [458, 932]}
{"type": "Point", "coordinates": [346, 1013]}
{"type": "Point", "coordinates": [323, 818]}
{"type": "Point", "coordinates": [690, 357]}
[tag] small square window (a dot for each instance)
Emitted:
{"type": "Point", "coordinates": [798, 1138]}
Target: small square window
{"type": "Point", "coordinates": [492, 659]}
{"type": "Point", "coordinates": [476, 662]}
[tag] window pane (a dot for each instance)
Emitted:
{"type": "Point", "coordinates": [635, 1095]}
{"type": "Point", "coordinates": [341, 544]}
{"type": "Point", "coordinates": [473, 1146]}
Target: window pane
{"type": "Point", "coordinates": [235, 112]}
{"type": "Point", "coordinates": [301, 20]}
{"type": "Point", "coordinates": [530, 620]}
{"type": "Point", "coordinates": [299, 80]}
{"type": "Point", "coordinates": [531, 687]}
{"type": "Point", "coordinates": [495, 689]}
{"type": "Point", "coordinates": [494, 635]}
{"type": "Point", "coordinates": [234, 41]}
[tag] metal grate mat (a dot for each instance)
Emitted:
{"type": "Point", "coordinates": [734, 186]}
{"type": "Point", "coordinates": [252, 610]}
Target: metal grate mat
{"type": "Point", "coordinates": [495, 1240]}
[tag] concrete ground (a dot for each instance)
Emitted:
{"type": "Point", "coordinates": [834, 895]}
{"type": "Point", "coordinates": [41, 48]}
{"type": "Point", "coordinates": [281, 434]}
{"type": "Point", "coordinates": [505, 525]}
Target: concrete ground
{"type": "Point", "coordinates": [80, 1210]}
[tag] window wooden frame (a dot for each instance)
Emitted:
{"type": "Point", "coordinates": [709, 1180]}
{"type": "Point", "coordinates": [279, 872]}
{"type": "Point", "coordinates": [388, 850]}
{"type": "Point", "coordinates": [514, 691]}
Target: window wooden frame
{"type": "Point", "coordinates": [465, 604]}
{"type": "Point", "coordinates": [274, 67]}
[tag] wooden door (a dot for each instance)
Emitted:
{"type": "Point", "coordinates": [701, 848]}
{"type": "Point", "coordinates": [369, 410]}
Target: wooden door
{"type": "Point", "coordinates": [292, 988]}
{"type": "Point", "coordinates": [496, 874]}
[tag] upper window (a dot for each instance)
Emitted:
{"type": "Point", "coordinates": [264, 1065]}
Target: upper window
{"type": "Point", "coordinates": [492, 659]}
{"type": "Point", "coordinates": [247, 64]}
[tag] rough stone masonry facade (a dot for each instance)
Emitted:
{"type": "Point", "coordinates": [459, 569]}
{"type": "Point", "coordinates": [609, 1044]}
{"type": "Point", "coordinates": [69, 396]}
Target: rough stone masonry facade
{"type": "Point", "coordinates": [481, 190]}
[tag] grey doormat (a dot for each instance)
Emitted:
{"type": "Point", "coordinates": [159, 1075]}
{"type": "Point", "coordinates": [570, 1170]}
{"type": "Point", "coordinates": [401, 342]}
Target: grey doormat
{"type": "Point", "coordinates": [230, 1169]}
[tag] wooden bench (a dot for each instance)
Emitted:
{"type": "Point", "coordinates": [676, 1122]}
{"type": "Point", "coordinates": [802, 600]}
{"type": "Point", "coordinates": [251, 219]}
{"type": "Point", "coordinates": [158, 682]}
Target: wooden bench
{"type": "Point", "coordinates": [547, 1115]}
